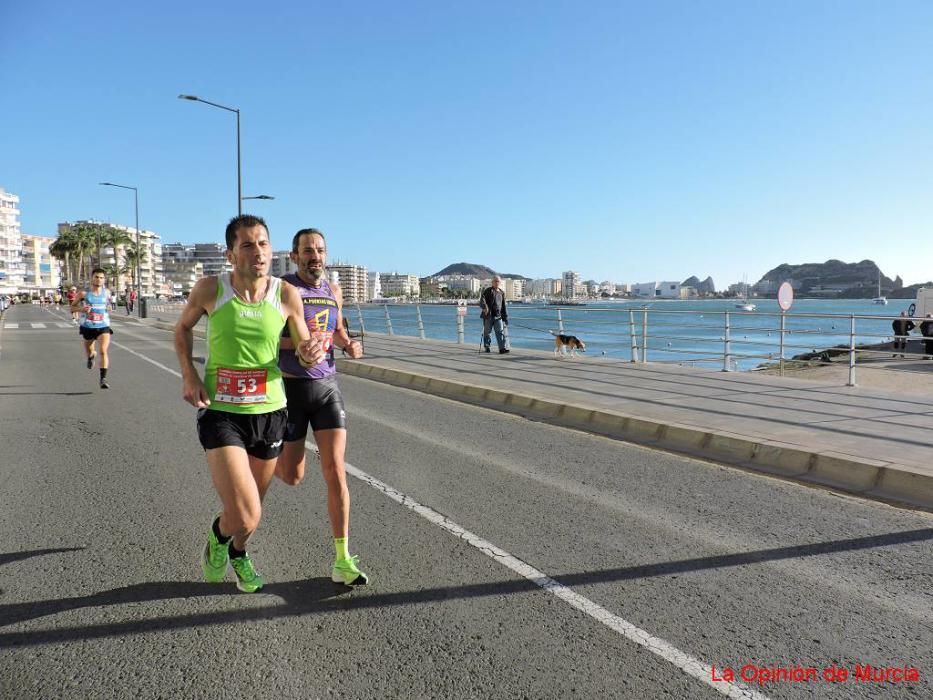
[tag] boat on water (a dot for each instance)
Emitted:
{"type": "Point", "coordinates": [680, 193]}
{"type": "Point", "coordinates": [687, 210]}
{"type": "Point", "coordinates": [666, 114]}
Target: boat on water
{"type": "Point", "coordinates": [741, 301]}
{"type": "Point", "coordinates": [566, 302]}
{"type": "Point", "coordinates": [880, 299]}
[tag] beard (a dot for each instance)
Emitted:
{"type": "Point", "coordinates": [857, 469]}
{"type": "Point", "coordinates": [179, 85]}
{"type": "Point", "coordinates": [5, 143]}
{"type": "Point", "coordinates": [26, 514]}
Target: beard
{"type": "Point", "coordinates": [315, 274]}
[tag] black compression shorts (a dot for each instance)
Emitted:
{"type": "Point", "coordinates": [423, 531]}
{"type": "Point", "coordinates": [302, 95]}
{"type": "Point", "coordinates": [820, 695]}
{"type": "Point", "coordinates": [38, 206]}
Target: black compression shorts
{"type": "Point", "coordinates": [260, 434]}
{"type": "Point", "coordinates": [93, 333]}
{"type": "Point", "coordinates": [317, 402]}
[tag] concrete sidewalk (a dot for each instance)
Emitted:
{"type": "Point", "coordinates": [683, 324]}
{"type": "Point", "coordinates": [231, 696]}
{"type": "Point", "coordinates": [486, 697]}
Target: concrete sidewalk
{"type": "Point", "coordinates": [870, 442]}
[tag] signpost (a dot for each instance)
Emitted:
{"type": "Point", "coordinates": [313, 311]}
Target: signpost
{"type": "Point", "coordinates": [785, 299]}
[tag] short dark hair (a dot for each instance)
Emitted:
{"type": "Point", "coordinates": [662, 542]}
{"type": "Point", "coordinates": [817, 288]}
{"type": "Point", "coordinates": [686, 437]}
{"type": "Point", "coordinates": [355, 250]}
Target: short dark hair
{"type": "Point", "coordinates": [242, 221]}
{"type": "Point", "coordinates": [305, 232]}
{"type": "Point", "coordinates": [98, 269]}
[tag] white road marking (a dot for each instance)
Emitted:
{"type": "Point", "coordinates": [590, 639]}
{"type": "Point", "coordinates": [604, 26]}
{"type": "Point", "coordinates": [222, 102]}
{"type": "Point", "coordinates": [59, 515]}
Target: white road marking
{"type": "Point", "coordinates": [688, 664]}
{"type": "Point", "coordinates": [12, 326]}
{"type": "Point", "coordinates": [63, 325]}
{"type": "Point", "coordinates": [37, 325]}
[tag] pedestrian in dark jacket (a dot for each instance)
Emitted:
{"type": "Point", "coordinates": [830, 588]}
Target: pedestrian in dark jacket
{"type": "Point", "coordinates": [926, 330]}
{"type": "Point", "coordinates": [902, 327]}
{"type": "Point", "coordinates": [495, 316]}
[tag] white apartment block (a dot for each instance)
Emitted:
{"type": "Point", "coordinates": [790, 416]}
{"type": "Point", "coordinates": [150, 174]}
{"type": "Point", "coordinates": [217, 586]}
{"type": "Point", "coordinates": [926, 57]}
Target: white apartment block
{"type": "Point", "coordinates": [353, 282]}
{"type": "Point", "coordinates": [373, 286]}
{"type": "Point", "coordinates": [11, 245]}
{"type": "Point", "coordinates": [181, 275]}
{"type": "Point", "coordinates": [212, 256]}
{"type": "Point", "coordinates": [394, 284]}
{"type": "Point", "coordinates": [281, 263]}
{"type": "Point", "coordinates": [513, 289]}
{"type": "Point", "coordinates": [42, 272]}
{"type": "Point", "coordinates": [471, 285]}
{"type": "Point", "coordinates": [570, 284]}
{"type": "Point", "coordinates": [657, 290]}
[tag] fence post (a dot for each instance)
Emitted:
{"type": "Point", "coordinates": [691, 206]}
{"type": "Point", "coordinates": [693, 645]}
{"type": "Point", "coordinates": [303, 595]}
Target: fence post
{"type": "Point", "coordinates": [388, 320]}
{"type": "Point", "coordinates": [460, 329]}
{"type": "Point", "coordinates": [783, 329]}
{"type": "Point", "coordinates": [644, 336]}
{"type": "Point", "coordinates": [727, 350]}
{"type": "Point", "coordinates": [560, 322]}
{"type": "Point", "coordinates": [359, 312]}
{"type": "Point", "coordinates": [631, 331]}
{"type": "Point", "coordinates": [420, 322]}
{"type": "Point", "coordinates": [851, 381]}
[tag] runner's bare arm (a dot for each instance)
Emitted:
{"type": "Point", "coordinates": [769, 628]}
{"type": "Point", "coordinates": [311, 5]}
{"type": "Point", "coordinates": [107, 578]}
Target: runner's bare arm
{"type": "Point", "coordinates": [200, 302]}
{"type": "Point", "coordinates": [341, 339]}
{"type": "Point", "coordinates": [76, 304]}
{"type": "Point", "coordinates": [310, 346]}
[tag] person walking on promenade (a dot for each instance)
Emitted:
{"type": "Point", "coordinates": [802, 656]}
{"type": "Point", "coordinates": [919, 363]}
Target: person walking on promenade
{"type": "Point", "coordinates": [130, 301]}
{"type": "Point", "coordinates": [902, 327]}
{"type": "Point", "coordinates": [94, 304]}
{"type": "Point", "coordinates": [926, 330]}
{"type": "Point", "coordinates": [314, 397]}
{"type": "Point", "coordinates": [241, 402]}
{"type": "Point", "coordinates": [495, 316]}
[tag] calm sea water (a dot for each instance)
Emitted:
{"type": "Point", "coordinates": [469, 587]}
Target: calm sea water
{"type": "Point", "coordinates": [679, 332]}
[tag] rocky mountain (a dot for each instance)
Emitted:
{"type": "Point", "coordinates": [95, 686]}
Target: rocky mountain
{"type": "Point", "coordinates": [475, 270]}
{"type": "Point", "coordinates": [705, 287]}
{"type": "Point", "coordinates": [834, 278]}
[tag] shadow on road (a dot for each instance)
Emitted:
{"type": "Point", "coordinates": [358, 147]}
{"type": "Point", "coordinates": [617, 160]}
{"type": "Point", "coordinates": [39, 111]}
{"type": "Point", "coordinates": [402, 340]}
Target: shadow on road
{"type": "Point", "coordinates": [46, 393]}
{"type": "Point", "coordinates": [321, 596]}
{"type": "Point", "coordinates": [18, 556]}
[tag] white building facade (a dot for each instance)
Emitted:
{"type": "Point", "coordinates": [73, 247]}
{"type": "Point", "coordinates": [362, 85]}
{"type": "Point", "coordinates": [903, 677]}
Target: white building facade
{"type": "Point", "coordinates": [396, 285]}
{"type": "Point", "coordinates": [41, 272]}
{"type": "Point", "coordinates": [12, 268]}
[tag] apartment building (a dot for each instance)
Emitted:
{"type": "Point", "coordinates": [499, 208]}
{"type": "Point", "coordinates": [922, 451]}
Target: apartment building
{"type": "Point", "coordinates": [396, 285]}
{"type": "Point", "coordinates": [281, 263]}
{"type": "Point", "coordinates": [570, 285]}
{"type": "Point", "coordinates": [41, 272]}
{"type": "Point", "coordinates": [181, 275]}
{"type": "Point", "coordinates": [353, 282]}
{"type": "Point", "coordinates": [373, 286]}
{"type": "Point", "coordinates": [12, 268]}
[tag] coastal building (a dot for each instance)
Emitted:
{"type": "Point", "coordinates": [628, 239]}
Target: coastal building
{"type": "Point", "coordinates": [570, 284]}
{"type": "Point", "coordinates": [41, 272]}
{"type": "Point", "coordinates": [396, 285]}
{"type": "Point", "coordinates": [212, 256]}
{"type": "Point", "coordinates": [281, 263]}
{"type": "Point", "coordinates": [181, 275]}
{"type": "Point", "coordinates": [373, 286]}
{"type": "Point", "coordinates": [12, 268]}
{"type": "Point", "coordinates": [353, 281]}
{"type": "Point", "coordinates": [512, 288]}
{"type": "Point", "coordinates": [470, 286]}
{"type": "Point", "coordinates": [657, 290]}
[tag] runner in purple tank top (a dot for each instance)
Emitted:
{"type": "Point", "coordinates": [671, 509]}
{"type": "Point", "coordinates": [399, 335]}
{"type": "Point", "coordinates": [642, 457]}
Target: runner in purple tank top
{"type": "Point", "coordinates": [314, 398]}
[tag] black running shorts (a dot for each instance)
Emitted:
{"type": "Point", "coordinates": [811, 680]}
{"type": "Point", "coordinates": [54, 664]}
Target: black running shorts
{"type": "Point", "coordinates": [93, 333]}
{"type": "Point", "coordinates": [260, 434]}
{"type": "Point", "coordinates": [317, 402]}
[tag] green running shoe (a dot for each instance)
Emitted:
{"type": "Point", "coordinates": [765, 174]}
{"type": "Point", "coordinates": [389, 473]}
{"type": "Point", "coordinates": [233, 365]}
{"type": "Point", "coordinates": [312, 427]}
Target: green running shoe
{"type": "Point", "coordinates": [214, 558]}
{"type": "Point", "coordinates": [247, 580]}
{"type": "Point", "coordinates": [346, 571]}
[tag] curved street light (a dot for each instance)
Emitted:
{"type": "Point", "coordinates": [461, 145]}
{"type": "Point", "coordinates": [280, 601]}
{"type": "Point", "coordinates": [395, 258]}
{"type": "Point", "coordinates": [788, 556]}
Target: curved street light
{"type": "Point", "coordinates": [139, 281]}
{"type": "Point", "coordinates": [260, 196]}
{"type": "Point", "coordinates": [239, 177]}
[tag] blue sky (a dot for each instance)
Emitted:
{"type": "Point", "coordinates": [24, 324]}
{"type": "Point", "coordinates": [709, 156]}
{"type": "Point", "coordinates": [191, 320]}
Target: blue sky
{"type": "Point", "coordinates": [629, 141]}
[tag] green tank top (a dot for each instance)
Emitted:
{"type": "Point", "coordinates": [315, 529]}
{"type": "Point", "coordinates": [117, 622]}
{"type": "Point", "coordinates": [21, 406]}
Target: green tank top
{"type": "Point", "coordinates": [242, 370]}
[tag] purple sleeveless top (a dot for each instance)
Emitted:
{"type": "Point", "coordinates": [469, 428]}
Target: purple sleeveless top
{"type": "Point", "coordinates": [320, 308]}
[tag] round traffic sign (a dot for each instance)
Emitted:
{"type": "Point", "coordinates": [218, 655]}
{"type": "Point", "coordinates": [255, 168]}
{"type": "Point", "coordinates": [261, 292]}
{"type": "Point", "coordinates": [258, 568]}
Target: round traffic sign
{"type": "Point", "coordinates": [785, 296]}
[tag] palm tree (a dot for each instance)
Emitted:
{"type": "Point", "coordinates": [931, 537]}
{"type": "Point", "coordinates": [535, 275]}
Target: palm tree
{"type": "Point", "coordinates": [116, 238]}
{"type": "Point", "coordinates": [132, 254]}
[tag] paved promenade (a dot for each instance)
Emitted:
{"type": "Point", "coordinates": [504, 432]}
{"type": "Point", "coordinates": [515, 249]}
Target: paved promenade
{"type": "Point", "coordinates": [867, 441]}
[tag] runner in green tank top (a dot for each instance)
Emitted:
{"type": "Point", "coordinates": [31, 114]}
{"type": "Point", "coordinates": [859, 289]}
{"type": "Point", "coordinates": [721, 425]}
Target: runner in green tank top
{"type": "Point", "coordinates": [241, 402]}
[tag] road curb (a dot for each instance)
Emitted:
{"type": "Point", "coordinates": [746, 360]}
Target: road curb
{"type": "Point", "coordinates": [884, 481]}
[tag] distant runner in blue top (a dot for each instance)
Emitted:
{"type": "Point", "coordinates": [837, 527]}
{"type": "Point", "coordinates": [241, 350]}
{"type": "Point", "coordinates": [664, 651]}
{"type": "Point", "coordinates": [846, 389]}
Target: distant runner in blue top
{"type": "Point", "coordinates": [94, 306]}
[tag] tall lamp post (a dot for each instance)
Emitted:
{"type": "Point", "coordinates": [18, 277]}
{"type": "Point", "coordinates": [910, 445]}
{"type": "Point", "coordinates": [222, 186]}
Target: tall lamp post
{"type": "Point", "coordinates": [239, 177]}
{"type": "Point", "coordinates": [139, 281]}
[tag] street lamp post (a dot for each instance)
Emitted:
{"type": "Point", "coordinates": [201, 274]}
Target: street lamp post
{"type": "Point", "coordinates": [239, 176]}
{"type": "Point", "coordinates": [260, 196]}
{"type": "Point", "coordinates": [139, 282]}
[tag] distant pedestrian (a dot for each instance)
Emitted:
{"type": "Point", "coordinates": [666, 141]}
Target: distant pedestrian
{"type": "Point", "coordinates": [495, 316]}
{"type": "Point", "coordinates": [902, 327]}
{"type": "Point", "coordinates": [926, 330]}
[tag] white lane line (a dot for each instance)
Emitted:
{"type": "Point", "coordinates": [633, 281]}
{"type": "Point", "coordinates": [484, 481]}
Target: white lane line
{"type": "Point", "coordinates": [147, 359]}
{"type": "Point", "coordinates": [37, 325]}
{"type": "Point", "coordinates": [688, 664]}
{"type": "Point", "coordinates": [11, 326]}
{"type": "Point", "coordinates": [63, 325]}
{"type": "Point", "coordinates": [691, 666]}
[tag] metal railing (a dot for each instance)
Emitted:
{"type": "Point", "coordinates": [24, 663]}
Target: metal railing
{"type": "Point", "coordinates": [726, 340]}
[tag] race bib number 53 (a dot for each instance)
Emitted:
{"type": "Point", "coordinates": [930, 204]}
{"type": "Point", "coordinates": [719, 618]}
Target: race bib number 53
{"type": "Point", "coordinates": [240, 386]}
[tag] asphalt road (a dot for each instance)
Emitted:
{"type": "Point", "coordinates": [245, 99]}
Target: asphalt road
{"type": "Point", "coordinates": [508, 558]}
